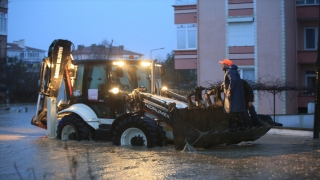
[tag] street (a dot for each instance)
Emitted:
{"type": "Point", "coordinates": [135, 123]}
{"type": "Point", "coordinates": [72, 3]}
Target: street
{"type": "Point", "coordinates": [26, 154]}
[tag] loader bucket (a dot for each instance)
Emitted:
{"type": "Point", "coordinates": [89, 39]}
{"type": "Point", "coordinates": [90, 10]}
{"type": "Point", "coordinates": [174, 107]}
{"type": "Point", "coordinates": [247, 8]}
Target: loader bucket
{"type": "Point", "coordinates": [205, 127]}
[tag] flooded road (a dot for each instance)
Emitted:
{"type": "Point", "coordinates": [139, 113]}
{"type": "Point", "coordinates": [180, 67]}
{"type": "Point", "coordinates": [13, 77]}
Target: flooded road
{"type": "Point", "coordinates": [26, 154]}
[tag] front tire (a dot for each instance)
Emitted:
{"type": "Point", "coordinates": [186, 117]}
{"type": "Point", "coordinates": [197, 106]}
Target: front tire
{"type": "Point", "coordinates": [137, 131]}
{"type": "Point", "coordinates": [72, 127]}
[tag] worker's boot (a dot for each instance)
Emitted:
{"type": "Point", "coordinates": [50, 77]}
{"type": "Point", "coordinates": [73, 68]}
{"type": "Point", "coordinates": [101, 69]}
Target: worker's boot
{"type": "Point", "coordinates": [241, 122]}
{"type": "Point", "coordinates": [254, 117]}
{"type": "Point", "coordinates": [232, 123]}
{"type": "Point", "coordinates": [247, 120]}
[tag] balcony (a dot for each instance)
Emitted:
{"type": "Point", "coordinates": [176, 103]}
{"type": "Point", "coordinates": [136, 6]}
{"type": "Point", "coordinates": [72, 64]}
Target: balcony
{"type": "Point", "coordinates": [307, 57]}
{"type": "Point", "coordinates": [303, 100]}
{"type": "Point", "coordinates": [308, 12]}
{"type": "Point", "coordinates": [185, 59]}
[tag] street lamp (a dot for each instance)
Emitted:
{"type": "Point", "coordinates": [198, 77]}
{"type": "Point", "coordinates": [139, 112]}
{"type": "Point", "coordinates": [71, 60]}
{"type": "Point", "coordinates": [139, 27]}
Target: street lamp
{"type": "Point", "coordinates": [152, 70]}
{"type": "Point", "coordinates": [154, 50]}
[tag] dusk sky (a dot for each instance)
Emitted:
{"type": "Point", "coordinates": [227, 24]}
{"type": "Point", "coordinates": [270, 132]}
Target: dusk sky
{"type": "Point", "coordinates": [139, 25]}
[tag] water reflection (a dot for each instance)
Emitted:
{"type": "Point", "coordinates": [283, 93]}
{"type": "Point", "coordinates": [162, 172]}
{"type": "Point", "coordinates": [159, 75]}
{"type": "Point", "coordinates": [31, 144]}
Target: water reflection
{"type": "Point", "coordinates": [24, 153]}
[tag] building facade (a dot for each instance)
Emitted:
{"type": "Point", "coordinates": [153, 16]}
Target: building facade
{"type": "Point", "coordinates": [3, 45]}
{"type": "Point", "coordinates": [102, 52]}
{"type": "Point", "coordinates": [268, 40]}
{"type": "Point", "coordinates": [32, 57]}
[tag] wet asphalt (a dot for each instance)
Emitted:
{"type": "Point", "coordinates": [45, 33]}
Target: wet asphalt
{"type": "Point", "coordinates": [25, 153]}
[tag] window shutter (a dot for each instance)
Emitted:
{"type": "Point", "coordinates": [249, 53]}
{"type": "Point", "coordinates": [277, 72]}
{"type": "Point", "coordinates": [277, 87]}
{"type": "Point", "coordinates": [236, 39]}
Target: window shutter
{"type": "Point", "coordinates": [241, 34]}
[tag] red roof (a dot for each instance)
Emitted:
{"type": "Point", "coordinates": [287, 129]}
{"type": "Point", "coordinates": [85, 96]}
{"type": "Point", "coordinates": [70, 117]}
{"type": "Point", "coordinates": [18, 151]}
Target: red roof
{"type": "Point", "coordinates": [13, 46]}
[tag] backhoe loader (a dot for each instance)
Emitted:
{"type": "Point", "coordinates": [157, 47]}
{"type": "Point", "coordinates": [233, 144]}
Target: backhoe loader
{"type": "Point", "coordinates": [122, 101]}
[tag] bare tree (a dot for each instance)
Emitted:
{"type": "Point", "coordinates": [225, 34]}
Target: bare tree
{"type": "Point", "coordinates": [105, 43]}
{"type": "Point", "coordinates": [270, 84]}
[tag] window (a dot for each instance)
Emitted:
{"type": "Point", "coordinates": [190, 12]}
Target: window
{"type": "Point", "coordinates": [22, 55]}
{"type": "Point", "coordinates": [241, 33]}
{"type": "Point", "coordinates": [4, 4]}
{"type": "Point", "coordinates": [246, 73]}
{"type": "Point", "coordinates": [184, 2]}
{"type": "Point", "coordinates": [310, 81]}
{"type": "Point", "coordinates": [187, 36]}
{"type": "Point", "coordinates": [33, 54]}
{"type": "Point", "coordinates": [310, 38]}
{"type": "Point", "coordinates": [79, 80]}
{"type": "Point", "coordinates": [3, 24]}
{"type": "Point", "coordinates": [307, 2]}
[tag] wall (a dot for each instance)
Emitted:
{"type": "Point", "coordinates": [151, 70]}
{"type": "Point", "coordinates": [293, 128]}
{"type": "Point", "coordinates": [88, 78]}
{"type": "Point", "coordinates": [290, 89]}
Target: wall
{"type": "Point", "coordinates": [211, 40]}
{"type": "Point", "coordinates": [290, 55]}
{"type": "Point", "coordinates": [304, 121]}
{"type": "Point", "coordinates": [269, 41]}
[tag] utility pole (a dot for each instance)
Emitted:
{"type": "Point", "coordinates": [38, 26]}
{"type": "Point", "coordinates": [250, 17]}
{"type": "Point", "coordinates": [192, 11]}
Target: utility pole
{"type": "Point", "coordinates": [316, 126]}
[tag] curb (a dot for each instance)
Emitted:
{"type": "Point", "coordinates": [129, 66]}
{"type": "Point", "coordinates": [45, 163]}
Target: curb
{"type": "Point", "coordinates": [290, 132]}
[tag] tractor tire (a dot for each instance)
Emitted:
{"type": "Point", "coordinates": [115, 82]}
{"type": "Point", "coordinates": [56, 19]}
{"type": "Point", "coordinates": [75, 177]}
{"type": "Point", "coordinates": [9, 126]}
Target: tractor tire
{"type": "Point", "coordinates": [72, 127]}
{"type": "Point", "coordinates": [137, 131]}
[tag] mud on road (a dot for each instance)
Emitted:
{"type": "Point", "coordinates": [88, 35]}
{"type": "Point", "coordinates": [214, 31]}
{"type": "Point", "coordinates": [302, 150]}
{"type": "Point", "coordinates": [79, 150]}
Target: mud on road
{"type": "Point", "coordinates": [26, 154]}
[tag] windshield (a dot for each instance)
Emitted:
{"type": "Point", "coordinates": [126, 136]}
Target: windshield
{"type": "Point", "coordinates": [131, 76]}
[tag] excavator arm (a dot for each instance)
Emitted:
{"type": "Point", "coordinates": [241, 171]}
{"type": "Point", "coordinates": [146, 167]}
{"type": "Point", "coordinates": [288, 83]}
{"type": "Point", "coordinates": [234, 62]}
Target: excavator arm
{"type": "Point", "coordinates": [53, 70]}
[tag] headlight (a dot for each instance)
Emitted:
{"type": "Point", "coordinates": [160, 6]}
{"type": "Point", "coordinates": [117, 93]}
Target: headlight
{"type": "Point", "coordinates": [145, 64]}
{"type": "Point", "coordinates": [164, 88]}
{"type": "Point", "coordinates": [119, 63]}
{"type": "Point", "coordinates": [115, 90]}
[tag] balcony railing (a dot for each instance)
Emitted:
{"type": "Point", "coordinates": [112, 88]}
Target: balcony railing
{"type": "Point", "coordinates": [185, 2]}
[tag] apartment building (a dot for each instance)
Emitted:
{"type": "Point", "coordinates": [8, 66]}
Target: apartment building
{"type": "Point", "coordinates": [267, 39]}
{"type": "Point", "coordinates": [3, 44]}
{"type": "Point", "coordinates": [32, 57]}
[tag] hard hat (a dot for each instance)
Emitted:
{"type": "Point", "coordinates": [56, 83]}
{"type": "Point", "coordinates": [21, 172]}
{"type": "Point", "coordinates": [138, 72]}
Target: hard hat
{"type": "Point", "coordinates": [226, 61]}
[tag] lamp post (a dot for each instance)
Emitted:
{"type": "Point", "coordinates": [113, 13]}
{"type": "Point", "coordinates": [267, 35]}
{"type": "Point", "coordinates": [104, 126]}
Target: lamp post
{"type": "Point", "coordinates": [152, 70]}
{"type": "Point", "coordinates": [154, 50]}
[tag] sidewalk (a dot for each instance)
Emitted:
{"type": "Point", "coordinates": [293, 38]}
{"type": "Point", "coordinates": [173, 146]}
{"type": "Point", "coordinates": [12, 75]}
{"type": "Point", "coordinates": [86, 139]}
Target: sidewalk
{"type": "Point", "coordinates": [290, 131]}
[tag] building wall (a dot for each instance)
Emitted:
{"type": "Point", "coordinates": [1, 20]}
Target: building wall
{"type": "Point", "coordinates": [277, 53]}
{"type": "Point", "coordinates": [211, 40]}
{"type": "Point", "coordinates": [291, 55]}
{"type": "Point", "coordinates": [185, 58]}
{"type": "Point", "coordinates": [37, 58]}
{"type": "Point", "coordinates": [3, 55]}
{"type": "Point", "coordinates": [306, 16]}
{"type": "Point", "coordinates": [269, 62]}
{"type": "Point", "coordinates": [3, 40]}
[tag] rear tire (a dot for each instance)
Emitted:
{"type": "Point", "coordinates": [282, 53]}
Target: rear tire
{"type": "Point", "coordinates": [72, 127]}
{"type": "Point", "coordinates": [137, 131]}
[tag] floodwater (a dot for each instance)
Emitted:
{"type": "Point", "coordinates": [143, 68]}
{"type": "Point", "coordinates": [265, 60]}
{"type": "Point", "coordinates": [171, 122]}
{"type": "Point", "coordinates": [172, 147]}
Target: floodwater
{"type": "Point", "coordinates": [26, 154]}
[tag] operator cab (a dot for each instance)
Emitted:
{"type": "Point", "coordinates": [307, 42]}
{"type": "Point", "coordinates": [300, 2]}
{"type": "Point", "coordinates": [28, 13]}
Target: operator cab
{"type": "Point", "coordinates": [104, 85]}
